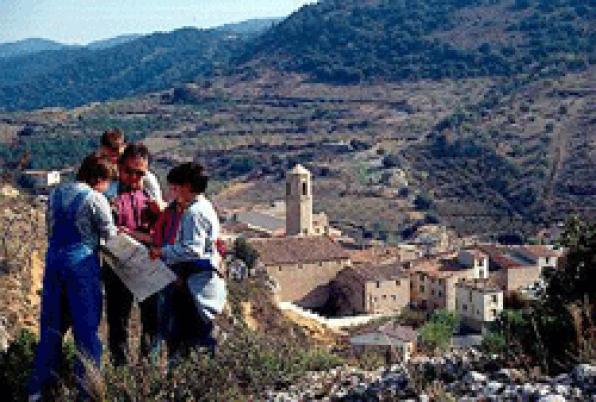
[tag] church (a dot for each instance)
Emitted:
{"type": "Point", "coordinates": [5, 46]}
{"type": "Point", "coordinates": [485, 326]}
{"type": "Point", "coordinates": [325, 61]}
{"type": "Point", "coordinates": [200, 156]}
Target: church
{"type": "Point", "coordinates": [306, 259]}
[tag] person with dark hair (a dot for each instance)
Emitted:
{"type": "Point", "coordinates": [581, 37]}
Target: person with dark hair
{"type": "Point", "coordinates": [112, 146]}
{"type": "Point", "coordinates": [135, 215]}
{"type": "Point", "coordinates": [191, 252]}
{"type": "Point", "coordinates": [78, 217]}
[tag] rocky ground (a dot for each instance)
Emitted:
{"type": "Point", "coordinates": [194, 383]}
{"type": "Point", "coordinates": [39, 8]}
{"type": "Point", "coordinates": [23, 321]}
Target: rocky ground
{"type": "Point", "coordinates": [468, 376]}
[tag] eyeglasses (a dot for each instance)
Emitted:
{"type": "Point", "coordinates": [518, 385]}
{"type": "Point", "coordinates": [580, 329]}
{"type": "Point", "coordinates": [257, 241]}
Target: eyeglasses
{"type": "Point", "coordinates": [134, 172]}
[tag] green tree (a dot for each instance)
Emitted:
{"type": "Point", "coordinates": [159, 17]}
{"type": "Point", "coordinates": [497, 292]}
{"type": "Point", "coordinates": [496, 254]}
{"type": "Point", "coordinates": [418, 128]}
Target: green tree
{"type": "Point", "coordinates": [436, 334]}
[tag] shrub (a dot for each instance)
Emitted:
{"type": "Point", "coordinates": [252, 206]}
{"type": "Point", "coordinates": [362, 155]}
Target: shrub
{"type": "Point", "coordinates": [437, 332]}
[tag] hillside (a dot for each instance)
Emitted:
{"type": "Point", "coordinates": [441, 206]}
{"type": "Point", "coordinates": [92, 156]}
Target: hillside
{"type": "Point", "coordinates": [28, 46]}
{"type": "Point", "coordinates": [490, 154]}
{"type": "Point", "coordinates": [99, 72]}
{"type": "Point", "coordinates": [352, 41]}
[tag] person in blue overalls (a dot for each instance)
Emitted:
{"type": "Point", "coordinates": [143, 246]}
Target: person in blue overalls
{"type": "Point", "coordinates": [78, 217]}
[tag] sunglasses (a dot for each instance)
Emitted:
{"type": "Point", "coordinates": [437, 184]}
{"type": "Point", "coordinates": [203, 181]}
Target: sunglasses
{"type": "Point", "coordinates": [134, 172]}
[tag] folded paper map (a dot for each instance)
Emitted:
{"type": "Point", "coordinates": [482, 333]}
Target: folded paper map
{"type": "Point", "coordinates": [129, 259]}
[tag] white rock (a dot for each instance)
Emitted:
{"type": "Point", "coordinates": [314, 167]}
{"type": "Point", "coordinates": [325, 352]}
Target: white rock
{"type": "Point", "coordinates": [493, 388]}
{"type": "Point", "coordinates": [474, 376]}
{"type": "Point", "coordinates": [528, 389]}
{"type": "Point", "coordinates": [552, 398]}
{"type": "Point", "coordinates": [562, 389]}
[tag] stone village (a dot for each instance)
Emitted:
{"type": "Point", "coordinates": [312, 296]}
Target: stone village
{"type": "Point", "coordinates": [314, 267]}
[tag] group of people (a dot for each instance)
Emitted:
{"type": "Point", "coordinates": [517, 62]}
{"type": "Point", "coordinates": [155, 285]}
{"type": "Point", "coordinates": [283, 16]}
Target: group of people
{"type": "Point", "coordinates": [114, 193]}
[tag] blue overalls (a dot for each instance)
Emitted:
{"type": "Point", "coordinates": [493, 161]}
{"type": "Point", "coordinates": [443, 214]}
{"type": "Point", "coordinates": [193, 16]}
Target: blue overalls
{"type": "Point", "coordinates": [71, 286]}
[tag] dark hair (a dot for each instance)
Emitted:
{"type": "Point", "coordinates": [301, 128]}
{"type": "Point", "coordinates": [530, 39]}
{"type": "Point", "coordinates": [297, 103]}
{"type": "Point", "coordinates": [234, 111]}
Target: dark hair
{"type": "Point", "coordinates": [93, 169]}
{"type": "Point", "coordinates": [134, 150]}
{"type": "Point", "coordinates": [191, 173]}
{"type": "Point", "coordinates": [176, 175]}
{"type": "Point", "coordinates": [112, 138]}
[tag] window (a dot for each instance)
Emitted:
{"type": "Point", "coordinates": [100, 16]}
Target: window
{"type": "Point", "coordinates": [465, 307]}
{"type": "Point", "coordinates": [397, 283]}
{"type": "Point", "coordinates": [375, 299]}
{"type": "Point", "coordinates": [422, 288]}
{"type": "Point", "coordinates": [481, 273]}
{"type": "Point", "coordinates": [378, 284]}
{"type": "Point", "coordinates": [440, 293]}
{"type": "Point", "coordinates": [494, 298]}
{"type": "Point", "coordinates": [304, 188]}
{"type": "Point", "coordinates": [393, 297]}
{"type": "Point", "coordinates": [384, 297]}
{"type": "Point", "coordinates": [432, 292]}
{"type": "Point", "coordinates": [493, 313]}
{"type": "Point", "coordinates": [288, 189]}
{"type": "Point", "coordinates": [470, 295]}
{"type": "Point", "coordinates": [279, 269]}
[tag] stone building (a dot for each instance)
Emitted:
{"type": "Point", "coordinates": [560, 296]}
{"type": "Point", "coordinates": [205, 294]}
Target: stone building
{"type": "Point", "coordinates": [396, 341]}
{"type": "Point", "coordinates": [433, 280]}
{"type": "Point", "coordinates": [373, 289]}
{"type": "Point", "coordinates": [303, 267]}
{"type": "Point", "coordinates": [543, 256]}
{"type": "Point", "coordinates": [478, 303]}
{"type": "Point", "coordinates": [299, 219]}
{"type": "Point", "coordinates": [509, 270]}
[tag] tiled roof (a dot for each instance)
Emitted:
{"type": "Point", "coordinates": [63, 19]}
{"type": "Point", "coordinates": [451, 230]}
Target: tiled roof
{"type": "Point", "coordinates": [500, 258]}
{"type": "Point", "coordinates": [379, 272]}
{"type": "Point", "coordinates": [295, 250]}
{"type": "Point", "coordinates": [540, 251]}
{"type": "Point", "coordinates": [385, 335]}
{"type": "Point", "coordinates": [398, 331]}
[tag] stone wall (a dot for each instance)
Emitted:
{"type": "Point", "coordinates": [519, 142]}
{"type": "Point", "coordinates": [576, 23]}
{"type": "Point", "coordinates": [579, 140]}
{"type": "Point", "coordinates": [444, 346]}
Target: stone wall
{"type": "Point", "coordinates": [306, 284]}
{"type": "Point", "coordinates": [387, 296]}
{"type": "Point", "coordinates": [477, 307]}
{"type": "Point", "coordinates": [516, 278]}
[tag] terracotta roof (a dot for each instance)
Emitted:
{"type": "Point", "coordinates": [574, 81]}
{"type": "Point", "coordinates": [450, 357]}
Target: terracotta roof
{"type": "Point", "coordinates": [375, 254]}
{"type": "Point", "coordinates": [379, 272]}
{"type": "Point", "coordinates": [540, 251]}
{"type": "Point", "coordinates": [499, 257]}
{"type": "Point", "coordinates": [294, 250]}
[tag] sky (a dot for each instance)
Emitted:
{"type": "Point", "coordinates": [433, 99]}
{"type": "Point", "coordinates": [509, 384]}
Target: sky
{"type": "Point", "coordinates": [83, 21]}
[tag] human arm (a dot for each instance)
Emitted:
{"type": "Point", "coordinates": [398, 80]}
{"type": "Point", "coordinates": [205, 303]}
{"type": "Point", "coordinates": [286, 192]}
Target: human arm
{"type": "Point", "coordinates": [191, 241]}
{"type": "Point", "coordinates": [101, 215]}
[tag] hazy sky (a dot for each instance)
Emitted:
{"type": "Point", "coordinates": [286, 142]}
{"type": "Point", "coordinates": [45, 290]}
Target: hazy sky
{"type": "Point", "coordinates": [82, 21]}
